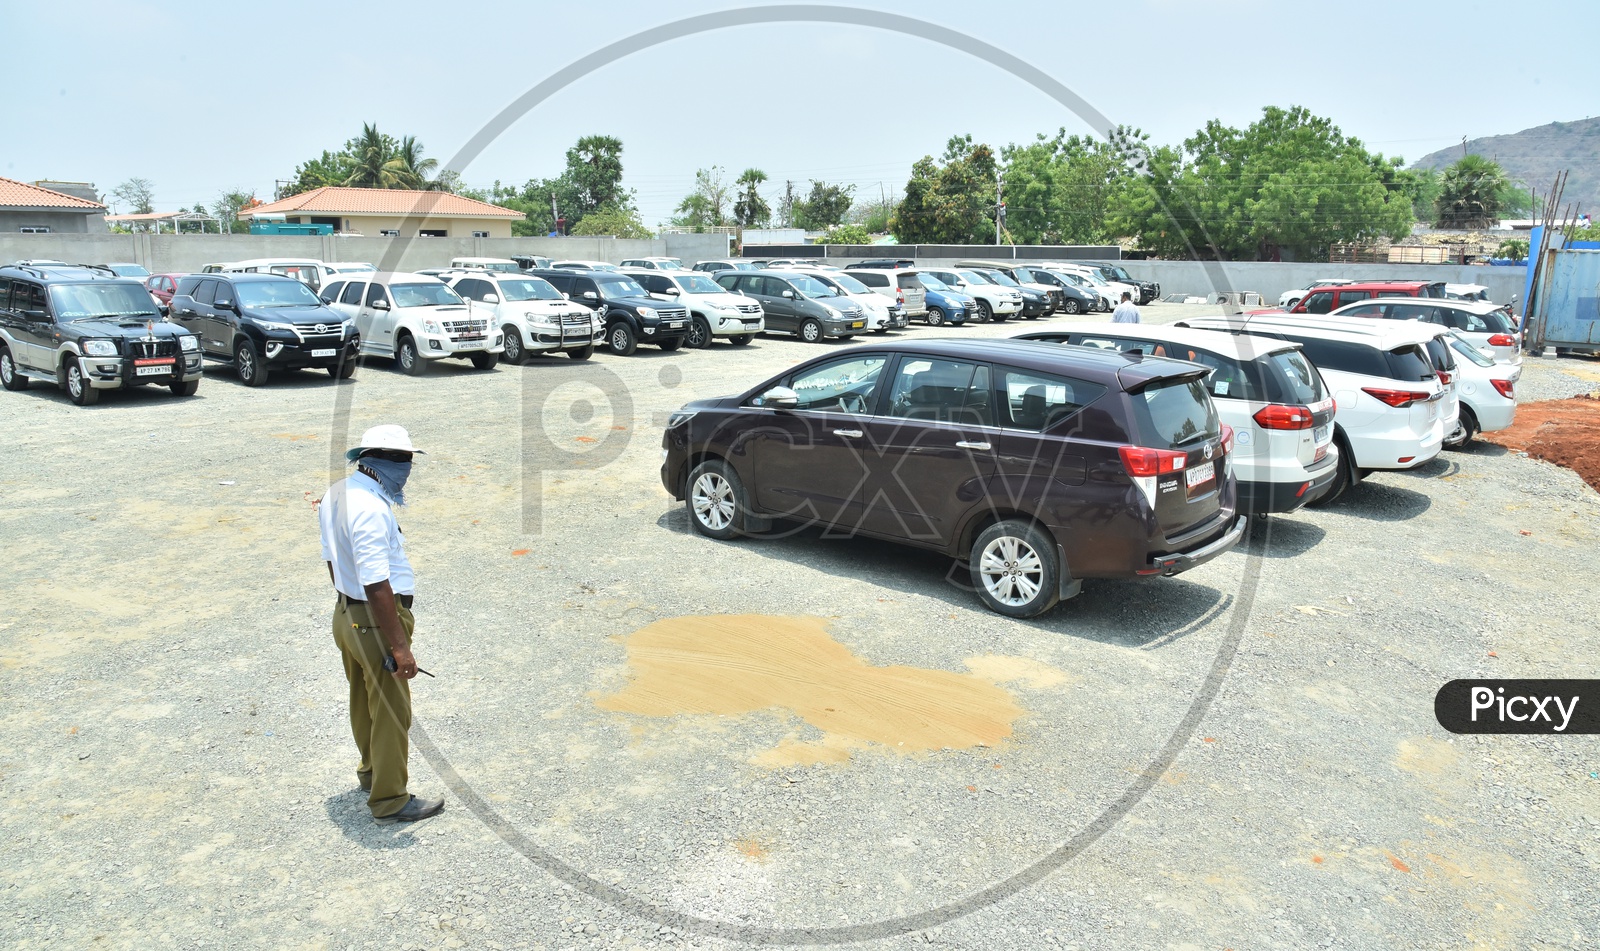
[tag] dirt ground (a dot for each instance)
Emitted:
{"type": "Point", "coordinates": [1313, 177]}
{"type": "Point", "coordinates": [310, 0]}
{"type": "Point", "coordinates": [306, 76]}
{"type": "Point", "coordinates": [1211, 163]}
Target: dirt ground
{"type": "Point", "coordinates": [1565, 432]}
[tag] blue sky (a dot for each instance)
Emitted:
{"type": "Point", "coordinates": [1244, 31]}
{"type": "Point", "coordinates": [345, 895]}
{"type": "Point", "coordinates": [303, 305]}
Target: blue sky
{"type": "Point", "coordinates": [204, 98]}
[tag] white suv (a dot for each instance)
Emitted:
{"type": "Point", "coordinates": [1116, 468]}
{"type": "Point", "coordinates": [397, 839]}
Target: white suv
{"type": "Point", "coordinates": [1488, 326]}
{"type": "Point", "coordinates": [530, 312]}
{"type": "Point", "coordinates": [1390, 400]}
{"type": "Point", "coordinates": [1112, 291]}
{"type": "Point", "coordinates": [1280, 411]}
{"type": "Point", "coordinates": [1488, 389]}
{"type": "Point", "coordinates": [993, 301]}
{"type": "Point", "coordinates": [413, 319]}
{"type": "Point", "coordinates": [884, 313]}
{"type": "Point", "coordinates": [713, 312]}
{"type": "Point", "coordinates": [654, 264]}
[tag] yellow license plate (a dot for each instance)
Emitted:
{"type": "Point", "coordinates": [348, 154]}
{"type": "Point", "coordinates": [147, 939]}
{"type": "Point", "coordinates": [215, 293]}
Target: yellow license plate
{"type": "Point", "coordinates": [858, 325]}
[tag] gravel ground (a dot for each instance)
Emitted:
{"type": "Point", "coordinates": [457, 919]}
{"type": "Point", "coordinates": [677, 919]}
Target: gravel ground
{"type": "Point", "coordinates": [174, 754]}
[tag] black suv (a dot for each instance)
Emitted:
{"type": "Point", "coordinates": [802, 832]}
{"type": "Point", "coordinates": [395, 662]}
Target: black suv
{"type": "Point", "coordinates": [1071, 298]}
{"type": "Point", "coordinates": [262, 322]}
{"type": "Point", "coordinates": [1038, 464]}
{"type": "Point", "coordinates": [630, 314]}
{"type": "Point", "coordinates": [85, 328]}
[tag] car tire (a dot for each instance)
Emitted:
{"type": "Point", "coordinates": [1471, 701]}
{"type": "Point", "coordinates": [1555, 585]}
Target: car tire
{"type": "Point", "coordinates": [620, 340]}
{"type": "Point", "coordinates": [484, 360]}
{"type": "Point", "coordinates": [810, 330]}
{"type": "Point", "coordinates": [741, 339]}
{"type": "Point", "coordinates": [186, 388]}
{"type": "Point", "coordinates": [1071, 307]}
{"type": "Point", "coordinates": [1015, 569]}
{"type": "Point", "coordinates": [79, 388]}
{"type": "Point", "coordinates": [514, 354]}
{"type": "Point", "coordinates": [344, 369]}
{"type": "Point", "coordinates": [699, 335]}
{"type": "Point", "coordinates": [582, 353]}
{"type": "Point", "coordinates": [1466, 428]}
{"type": "Point", "coordinates": [408, 358]}
{"type": "Point", "coordinates": [671, 345]}
{"type": "Point", "coordinates": [934, 317]}
{"type": "Point", "coordinates": [985, 313]}
{"type": "Point", "coordinates": [252, 372]}
{"type": "Point", "coordinates": [716, 500]}
{"type": "Point", "coordinates": [10, 376]}
{"type": "Point", "coordinates": [1343, 478]}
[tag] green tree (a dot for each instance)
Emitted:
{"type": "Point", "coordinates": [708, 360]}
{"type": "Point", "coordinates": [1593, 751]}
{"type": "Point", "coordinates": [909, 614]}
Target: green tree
{"type": "Point", "coordinates": [824, 207]}
{"type": "Point", "coordinates": [593, 178]}
{"type": "Point", "coordinates": [951, 201]}
{"type": "Point", "coordinates": [1515, 249]}
{"type": "Point", "coordinates": [411, 169]}
{"type": "Point", "coordinates": [372, 156]}
{"type": "Point", "coordinates": [330, 168]}
{"type": "Point", "coordinates": [227, 207]}
{"type": "Point", "coordinates": [138, 193]}
{"type": "Point", "coordinates": [1470, 193]}
{"type": "Point", "coordinates": [750, 210]}
{"type": "Point", "coordinates": [706, 206]}
{"type": "Point", "coordinates": [1059, 190]}
{"type": "Point", "coordinates": [846, 234]}
{"type": "Point", "coordinates": [617, 222]}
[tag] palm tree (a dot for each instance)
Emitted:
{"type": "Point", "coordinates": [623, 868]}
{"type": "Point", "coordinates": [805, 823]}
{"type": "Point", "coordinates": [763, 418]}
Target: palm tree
{"type": "Point", "coordinates": [751, 210]}
{"type": "Point", "coordinates": [373, 153]}
{"type": "Point", "coordinates": [1469, 193]}
{"type": "Point", "coordinates": [410, 168]}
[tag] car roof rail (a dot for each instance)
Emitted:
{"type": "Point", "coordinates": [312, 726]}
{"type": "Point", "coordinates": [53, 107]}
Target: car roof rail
{"type": "Point", "coordinates": [98, 267]}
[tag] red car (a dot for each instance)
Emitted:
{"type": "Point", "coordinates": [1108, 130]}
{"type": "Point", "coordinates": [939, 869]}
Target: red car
{"type": "Point", "coordinates": [162, 286]}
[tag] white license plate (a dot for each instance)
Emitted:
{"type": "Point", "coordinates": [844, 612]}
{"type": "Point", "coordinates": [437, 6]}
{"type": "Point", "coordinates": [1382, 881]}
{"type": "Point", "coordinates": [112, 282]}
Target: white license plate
{"type": "Point", "coordinates": [325, 353]}
{"type": "Point", "coordinates": [674, 324]}
{"type": "Point", "coordinates": [1319, 435]}
{"type": "Point", "coordinates": [1201, 474]}
{"type": "Point", "coordinates": [164, 369]}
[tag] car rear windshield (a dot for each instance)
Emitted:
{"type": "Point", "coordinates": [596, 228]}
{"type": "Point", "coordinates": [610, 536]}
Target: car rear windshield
{"type": "Point", "coordinates": [1439, 355]}
{"type": "Point", "coordinates": [431, 294]}
{"type": "Point", "coordinates": [1175, 413]}
{"type": "Point", "coordinates": [275, 294]}
{"type": "Point", "coordinates": [1410, 364]}
{"type": "Point", "coordinates": [1294, 379]}
{"type": "Point", "coordinates": [1466, 349]}
{"type": "Point", "coordinates": [909, 282]}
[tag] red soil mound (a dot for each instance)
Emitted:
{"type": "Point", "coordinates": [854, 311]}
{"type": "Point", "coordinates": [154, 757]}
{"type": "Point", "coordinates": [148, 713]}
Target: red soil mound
{"type": "Point", "coordinates": [1565, 432]}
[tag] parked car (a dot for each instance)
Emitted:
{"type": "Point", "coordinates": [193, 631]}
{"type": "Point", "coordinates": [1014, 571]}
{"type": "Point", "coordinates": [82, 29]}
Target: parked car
{"type": "Point", "coordinates": [1488, 389]}
{"type": "Point", "coordinates": [531, 313]}
{"type": "Point", "coordinates": [1036, 302]}
{"type": "Point", "coordinates": [311, 272]}
{"type": "Point", "coordinates": [1112, 291]}
{"type": "Point", "coordinates": [1280, 411]}
{"type": "Point", "coordinates": [789, 264]}
{"type": "Point", "coordinates": [505, 265]}
{"type": "Point", "coordinates": [945, 304]}
{"type": "Point", "coordinates": [1292, 296]}
{"type": "Point", "coordinates": [85, 330]}
{"type": "Point", "coordinates": [1075, 295]}
{"type": "Point", "coordinates": [530, 262]}
{"type": "Point", "coordinates": [899, 286]}
{"type": "Point", "coordinates": [798, 303]}
{"type": "Point", "coordinates": [654, 264]}
{"type": "Point", "coordinates": [884, 313]}
{"type": "Point", "coordinates": [258, 323]}
{"type": "Point", "coordinates": [1389, 398]}
{"type": "Point", "coordinates": [1325, 300]}
{"type": "Point", "coordinates": [1490, 327]}
{"type": "Point", "coordinates": [713, 312]}
{"type": "Point", "coordinates": [1040, 465]}
{"type": "Point", "coordinates": [630, 315]}
{"type": "Point", "coordinates": [1098, 292]}
{"type": "Point", "coordinates": [1149, 291]}
{"type": "Point", "coordinates": [585, 266]}
{"type": "Point", "coordinates": [414, 320]}
{"type": "Point", "coordinates": [1475, 292]}
{"type": "Point", "coordinates": [881, 264]}
{"type": "Point", "coordinates": [993, 302]}
{"type": "Point", "coordinates": [136, 271]}
{"type": "Point", "coordinates": [162, 286]}
{"type": "Point", "coordinates": [726, 264]}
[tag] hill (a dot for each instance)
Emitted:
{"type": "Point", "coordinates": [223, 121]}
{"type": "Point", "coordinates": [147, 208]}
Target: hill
{"type": "Point", "coordinates": [1535, 155]}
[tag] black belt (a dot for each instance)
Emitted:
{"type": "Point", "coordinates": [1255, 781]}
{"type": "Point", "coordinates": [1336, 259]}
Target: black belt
{"type": "Point", "coordinates": [404, 600]}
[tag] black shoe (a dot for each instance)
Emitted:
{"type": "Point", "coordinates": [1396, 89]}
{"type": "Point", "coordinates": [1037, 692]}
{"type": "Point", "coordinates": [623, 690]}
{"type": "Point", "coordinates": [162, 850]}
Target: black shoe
{"type": "Point", "coordinates": [365, 779]}
{"type": "Point", "coordinates": [415, 809]}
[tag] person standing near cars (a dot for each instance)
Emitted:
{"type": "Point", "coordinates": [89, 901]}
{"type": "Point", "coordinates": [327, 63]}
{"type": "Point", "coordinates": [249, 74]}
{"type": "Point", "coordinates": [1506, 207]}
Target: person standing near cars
{"type": "Point", "coordinates": [372, 620]}
{"type": "Point", "coordinates": [1126, 312]}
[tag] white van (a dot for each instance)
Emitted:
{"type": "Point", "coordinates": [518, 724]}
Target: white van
{"type": "Point", "coordinates": [485, 264]}
{"type": "Point", "coordinates": [308, 271]}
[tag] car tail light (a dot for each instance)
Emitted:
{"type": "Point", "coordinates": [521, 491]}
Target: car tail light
{"type": "Point", "coordinates": [900, 296]}
{"type": "Point", "coordinates": [1444, 377]}
{"type": "Point", "coordinates": [1396, 398]}
{"type": "Point", "coordinates": [1502, 340]}
{"type": "Point", "coordinates": [1142, 462]}
{"type": "Point", "coordinates": [1283, 416]}
{"type": "Point", "coordinates": [1504, 388]}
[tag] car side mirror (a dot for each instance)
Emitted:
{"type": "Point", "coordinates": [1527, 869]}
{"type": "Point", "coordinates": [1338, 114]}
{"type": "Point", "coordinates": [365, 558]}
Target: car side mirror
{"type": "Point", "coordinates": [36, 315]}
{"type": "Point", "coordinates": [223, 305]}
{"type": "Point", "coordinates": [163, 309]}
{"type": "Point", "coordinates": [566, 296]}
{"type": "Point", "coordinates": [326, 300]}
{"type": "Point", "coordinates": [673, 291]}
{"type": "Point", "coordinates": [789, 294]}
{"type": "Point", "coordinates": [780, 397]}
{"type": "Point", "coordinates": [590, 295]}
{"type": "Point", "coordinates": [380, 305]}
{"type": "Point", "coordinates": [491, 298]}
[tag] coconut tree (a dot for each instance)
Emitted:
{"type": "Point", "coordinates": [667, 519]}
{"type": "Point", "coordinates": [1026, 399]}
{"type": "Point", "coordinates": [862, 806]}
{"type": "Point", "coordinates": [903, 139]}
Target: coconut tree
{"type": "Point", "coordinates": [410, 168]}
{"type": "Point", "coordinates": [373, 153]}
{"type": "Point", "coordinates": [1470, 193]}
{"type": "Point", "coordinates": [751, 210]}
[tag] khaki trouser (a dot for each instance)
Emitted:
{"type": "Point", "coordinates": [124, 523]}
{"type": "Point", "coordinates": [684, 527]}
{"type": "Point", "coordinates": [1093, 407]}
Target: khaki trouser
{"type": "Point", "coordinates": [380, 704]}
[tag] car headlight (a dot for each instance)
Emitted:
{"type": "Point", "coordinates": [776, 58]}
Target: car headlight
{"type": "Point", "coordinates": [99, 348]}
{"type": "Point", "coordinates": [647, 313]}
{"type": "Point", "coordinates": [431, 326]}
{"type": "Point", "coordinates": [679, 417]}
{"type": "Point", "coordinates": [728, 308]}
{"type": "Point", "coordinates": [541, 320]}
{"type": "Point", "coordinates": [275, 325]}
{"type": "Point", "coordinates": [830, 312]}
{"type": "Point", "coordinates": [189, 342]}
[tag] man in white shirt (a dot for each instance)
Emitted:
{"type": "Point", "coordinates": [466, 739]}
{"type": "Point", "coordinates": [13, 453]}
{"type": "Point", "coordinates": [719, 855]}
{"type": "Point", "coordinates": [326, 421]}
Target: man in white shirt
{"type": "Point", "coordinates": [372, 621]}
{"type": "Point", "coordinates": [1126, 312]}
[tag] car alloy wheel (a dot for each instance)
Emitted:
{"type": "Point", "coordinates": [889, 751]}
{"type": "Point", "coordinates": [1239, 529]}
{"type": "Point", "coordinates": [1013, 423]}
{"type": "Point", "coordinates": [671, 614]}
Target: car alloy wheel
{"type": "Point", "coordinates": [79, 388]}
{"type": "Point", "coordinates": [699, 335]}
{"type": "Point", "coordinates": [1015, 569]}
{"type": "Point", "coordinates": [514, 353]}
{"type": "Point", "coordinates": [985, 313]}
{"type": "Point", "coordinates": [713, 501]}
{"type": "Point", "coordinates": [9, 377]}
{"type": "Point", "coordinates": [1012, 572]}
{"type": "Point", "coordinates": [1071, 306]}
{"type": "Point", "coordinates": [935, 317]}
{"type": "Point", "coordinates": [811, 330]}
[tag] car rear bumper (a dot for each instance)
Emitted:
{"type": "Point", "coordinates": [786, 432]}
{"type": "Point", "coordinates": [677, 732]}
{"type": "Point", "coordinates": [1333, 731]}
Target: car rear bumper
{"type": "Point", "coordinates": [1177, 562]}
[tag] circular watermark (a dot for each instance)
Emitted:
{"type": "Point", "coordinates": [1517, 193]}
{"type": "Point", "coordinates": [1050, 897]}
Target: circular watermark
{"type": "Point", "coordinates": [617, 402]}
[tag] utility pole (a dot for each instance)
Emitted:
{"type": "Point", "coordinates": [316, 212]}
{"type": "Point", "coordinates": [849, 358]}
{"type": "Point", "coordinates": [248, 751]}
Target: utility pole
{"type": "Point", "coordinates": [999, 203]}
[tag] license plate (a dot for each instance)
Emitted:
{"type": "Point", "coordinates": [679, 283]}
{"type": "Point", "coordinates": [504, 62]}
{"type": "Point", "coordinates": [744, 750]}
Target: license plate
{"type": "Point", "coordinates": [325, 353]}
{"type": "Point", "coordinates": [1319, 435]}
{"type": "Point", "coordinates": [674, 324]}
{"type": "Point", "coordinates": [160, 369]}
{"type": "Point", "coordinates": [1200, 475]}
{"type": "Point", "coordinates": [858, 325]}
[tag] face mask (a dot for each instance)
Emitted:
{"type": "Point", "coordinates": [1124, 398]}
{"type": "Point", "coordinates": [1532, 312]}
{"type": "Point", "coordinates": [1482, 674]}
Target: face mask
{"type": "Point", "coordinates": [390, 475]}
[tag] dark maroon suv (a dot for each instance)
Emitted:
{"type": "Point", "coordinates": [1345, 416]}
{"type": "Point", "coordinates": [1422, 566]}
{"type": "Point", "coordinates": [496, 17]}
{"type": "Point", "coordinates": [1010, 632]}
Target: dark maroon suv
{"type": "Point", "coordinates": [1038, 464]}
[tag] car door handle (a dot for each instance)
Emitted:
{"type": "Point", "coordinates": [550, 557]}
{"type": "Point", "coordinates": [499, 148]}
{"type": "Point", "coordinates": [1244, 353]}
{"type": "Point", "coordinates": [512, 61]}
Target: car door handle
{"type": "Point", "coordinates": [851, 433]}
{"type": "Point", "coordinates": [964, 444]}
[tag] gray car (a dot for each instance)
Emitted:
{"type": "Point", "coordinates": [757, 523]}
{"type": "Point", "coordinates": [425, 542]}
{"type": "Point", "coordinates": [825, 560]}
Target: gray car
{"type": "Point", "coordinates": [798, 303]}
